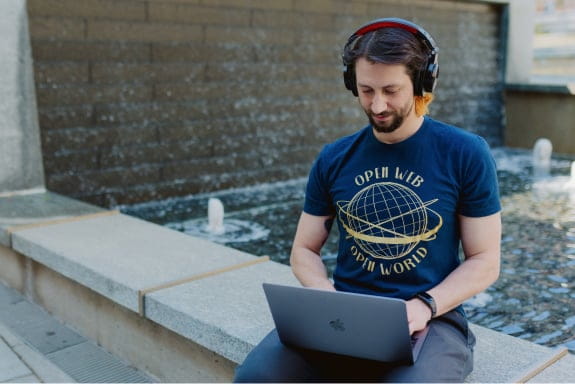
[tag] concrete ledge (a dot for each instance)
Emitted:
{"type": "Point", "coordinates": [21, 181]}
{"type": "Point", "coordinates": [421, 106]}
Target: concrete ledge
{"type": "Point", "coordinates": [503, 358]}
{"type": "Point", "coordinates": [227, 313]}
{"type": "Point", "coordinates": [562, 89]}
{"type": "Point", "coordinates": [560, 371]}
{"type": "Point", "coordinates": [118, 255]}
{"type": "Point", "coordinates": [217, 304]}
{"type": "Point", "coordinates": [24, 209]}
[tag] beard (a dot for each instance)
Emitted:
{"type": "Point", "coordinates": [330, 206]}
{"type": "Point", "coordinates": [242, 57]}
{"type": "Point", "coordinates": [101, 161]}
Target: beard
{"type": "Point", "coordinates": [397, 119]}
{"type": "Point", "coordinates": [388, 127]}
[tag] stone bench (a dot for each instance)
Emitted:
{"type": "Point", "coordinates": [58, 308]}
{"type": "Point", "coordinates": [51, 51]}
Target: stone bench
{"type": "Point", "coordinates": [178, 307]}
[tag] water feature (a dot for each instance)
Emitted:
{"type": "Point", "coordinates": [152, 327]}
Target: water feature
{"type": "Point", "coordinates": [533, 298]}
{"type": "Point", "coordinates": [218, 230]}
{"type": "Point", "coordinates": [216, 216]}
{"type": "Point", "coordinates": [542, 151]}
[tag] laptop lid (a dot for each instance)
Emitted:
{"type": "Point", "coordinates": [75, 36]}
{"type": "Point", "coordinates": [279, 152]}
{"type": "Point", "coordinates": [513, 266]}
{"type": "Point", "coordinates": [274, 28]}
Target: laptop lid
{"type": "Point", "coordinates": [363, 326]}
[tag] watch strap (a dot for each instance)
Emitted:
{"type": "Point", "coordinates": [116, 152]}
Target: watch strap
{"type": "Point", "coordinates": [429, 301]}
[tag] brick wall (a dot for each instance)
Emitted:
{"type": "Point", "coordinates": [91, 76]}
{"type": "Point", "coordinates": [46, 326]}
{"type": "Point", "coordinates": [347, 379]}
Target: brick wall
{"type": "Point", "coordinates": [142, 100]}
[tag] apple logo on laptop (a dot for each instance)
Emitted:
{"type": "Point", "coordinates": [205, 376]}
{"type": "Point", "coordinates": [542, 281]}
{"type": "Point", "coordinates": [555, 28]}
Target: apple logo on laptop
{"type": "Point", "coordinates": [337, 325]}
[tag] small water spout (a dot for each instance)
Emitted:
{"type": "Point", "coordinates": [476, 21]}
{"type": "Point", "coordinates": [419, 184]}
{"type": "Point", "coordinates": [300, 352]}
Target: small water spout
{"type": "Point", "coordinates": [542, 151]}
{"type": "Point", "coordinates": [216, 216]}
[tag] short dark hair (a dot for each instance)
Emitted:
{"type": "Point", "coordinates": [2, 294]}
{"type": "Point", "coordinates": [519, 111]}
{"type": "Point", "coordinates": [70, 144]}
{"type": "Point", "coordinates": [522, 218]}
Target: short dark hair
{"type": "Point", "coordinates": [389, 46]}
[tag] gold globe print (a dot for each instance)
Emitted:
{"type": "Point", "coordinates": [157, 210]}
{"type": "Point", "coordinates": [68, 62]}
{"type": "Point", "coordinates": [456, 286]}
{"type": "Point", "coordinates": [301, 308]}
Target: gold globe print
{"type": "Point", "coordinates": [388, 220]}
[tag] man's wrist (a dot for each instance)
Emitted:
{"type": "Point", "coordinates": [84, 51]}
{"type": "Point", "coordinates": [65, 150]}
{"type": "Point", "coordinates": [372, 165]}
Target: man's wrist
{"type": "Point", "coordinates": [428, 300]}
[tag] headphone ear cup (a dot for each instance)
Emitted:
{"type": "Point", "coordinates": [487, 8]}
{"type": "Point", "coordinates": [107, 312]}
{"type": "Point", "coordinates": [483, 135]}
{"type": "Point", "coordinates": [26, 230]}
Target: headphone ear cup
{"type": "Point", "coordinates": [419, 84]}
{"type": "Point", "coordinates": [349, 79]}
{"type": "Point", "coordinates": [431, 74]}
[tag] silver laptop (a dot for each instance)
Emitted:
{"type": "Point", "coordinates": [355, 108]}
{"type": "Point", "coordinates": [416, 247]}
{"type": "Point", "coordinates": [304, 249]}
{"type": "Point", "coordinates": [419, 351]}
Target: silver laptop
{"type": "Point", "coordinates": [363, 326]}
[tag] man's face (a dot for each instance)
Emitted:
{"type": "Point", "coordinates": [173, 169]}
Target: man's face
{"type": "Point", "coordinates": [385, 94]}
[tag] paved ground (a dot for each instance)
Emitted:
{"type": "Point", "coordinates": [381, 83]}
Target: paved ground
{"type": "Point", "coordinates": [21, 363]}
{"type": "Point", "coordinates": [35, 347]}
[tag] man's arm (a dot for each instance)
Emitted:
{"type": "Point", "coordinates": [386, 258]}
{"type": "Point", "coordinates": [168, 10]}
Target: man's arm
{"type": "Point", "coordinates": [481, 241]}
{"type": "Point", "coordinates": [311, 234]}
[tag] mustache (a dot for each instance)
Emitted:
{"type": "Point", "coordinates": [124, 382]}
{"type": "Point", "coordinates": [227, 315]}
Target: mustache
{"type": "Point", "coordinates": [384, 114]}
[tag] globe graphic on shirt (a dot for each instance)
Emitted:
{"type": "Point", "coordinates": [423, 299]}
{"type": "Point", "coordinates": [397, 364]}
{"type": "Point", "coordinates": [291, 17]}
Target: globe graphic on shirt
{"type": "Point", "coordinates": [388, 220]}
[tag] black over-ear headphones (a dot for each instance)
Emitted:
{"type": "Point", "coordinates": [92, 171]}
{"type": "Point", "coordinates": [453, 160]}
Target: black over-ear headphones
{"type": "Point", "coordinates": [425, 80]}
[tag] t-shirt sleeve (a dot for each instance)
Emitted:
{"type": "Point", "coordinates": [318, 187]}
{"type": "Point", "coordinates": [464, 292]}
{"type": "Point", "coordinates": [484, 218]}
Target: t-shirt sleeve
{"type": "Point", "coordinates": [317, 198]}
{"type": "Point", "coordinates": [479, 188]}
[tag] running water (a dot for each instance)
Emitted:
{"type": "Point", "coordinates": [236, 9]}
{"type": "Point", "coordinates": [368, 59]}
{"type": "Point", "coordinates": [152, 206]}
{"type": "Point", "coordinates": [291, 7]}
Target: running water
{"type": "Point", "coordinates": [219, 229]}
{"type": "Point", "coordinates": [216, 216]}
{"type": "Point", "coordinates": [542, 151]}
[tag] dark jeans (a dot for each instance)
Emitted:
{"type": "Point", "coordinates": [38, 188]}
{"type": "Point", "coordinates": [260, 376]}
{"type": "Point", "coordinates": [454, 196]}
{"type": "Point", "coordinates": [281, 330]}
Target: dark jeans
{"type": "Point", "coordinates": [446, 356]}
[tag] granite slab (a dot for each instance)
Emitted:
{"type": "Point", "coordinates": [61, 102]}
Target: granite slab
{"type": "Point", "coordinates": [43, 207]}
{"type": "Point", "coordinates": [226, 313]}
{"type": "Point", "coordinates": [118, 255]}
{"type": "Point", "coordinates": [501, 358]}
{"type": "Point", "coordinates": [563, 371]}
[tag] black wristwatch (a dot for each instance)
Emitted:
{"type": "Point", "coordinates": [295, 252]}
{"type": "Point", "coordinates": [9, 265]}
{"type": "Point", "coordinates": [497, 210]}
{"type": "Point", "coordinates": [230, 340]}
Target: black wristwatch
{"type": "Point", "coordinates": [428, 300]}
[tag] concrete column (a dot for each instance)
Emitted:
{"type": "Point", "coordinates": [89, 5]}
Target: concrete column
{"type": "Point", "coordinates": [20, 149]}
{"type": "Point", "coordinates": [520, 41]}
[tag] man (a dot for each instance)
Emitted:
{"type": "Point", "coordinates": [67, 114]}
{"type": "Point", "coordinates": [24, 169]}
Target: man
{"type": "Point", "coordinates": [405, 191]}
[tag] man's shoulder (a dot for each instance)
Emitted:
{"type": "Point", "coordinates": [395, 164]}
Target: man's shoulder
{"type": "Point", "coordinates": [339, 145]}
{"type": "Point", "coordinates": [441, 127]}
{"type": "Point", "coordinates": [453, 135]}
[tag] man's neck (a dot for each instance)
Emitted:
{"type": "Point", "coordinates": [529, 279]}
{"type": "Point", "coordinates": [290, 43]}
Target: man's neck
{"type": "Point", "coordinates": [405, 131]}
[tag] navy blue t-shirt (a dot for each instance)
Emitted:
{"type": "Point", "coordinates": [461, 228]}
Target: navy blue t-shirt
{"type": "Point", "coordinates": [397, 205]}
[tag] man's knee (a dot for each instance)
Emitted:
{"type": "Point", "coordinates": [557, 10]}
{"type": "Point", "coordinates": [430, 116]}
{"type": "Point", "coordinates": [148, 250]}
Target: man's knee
{"type": "Point", "coordinates": [253, 371]}
{"type": "Point", "coordinates": [271, 361]}
{"type": "Point", "coordinates": [446, 356]}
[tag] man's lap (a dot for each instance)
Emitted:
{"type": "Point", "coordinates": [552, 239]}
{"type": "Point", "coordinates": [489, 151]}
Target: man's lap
{"type": "Point", "coordinates": [447, 355]}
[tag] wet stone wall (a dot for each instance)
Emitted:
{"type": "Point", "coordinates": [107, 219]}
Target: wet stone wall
{"type": "Point", "coordinates": [143, 100]}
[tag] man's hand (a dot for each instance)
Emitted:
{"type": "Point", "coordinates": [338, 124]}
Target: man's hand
{"type": "Point", "coordinates": [418, 315]}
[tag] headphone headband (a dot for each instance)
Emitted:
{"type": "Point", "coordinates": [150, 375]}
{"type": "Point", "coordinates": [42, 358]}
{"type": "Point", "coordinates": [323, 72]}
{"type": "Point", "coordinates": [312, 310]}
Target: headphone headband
{"type": "Point", "coordinates": [427, 76]}
{"type": "Point", "coordinates": [384, 24]}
